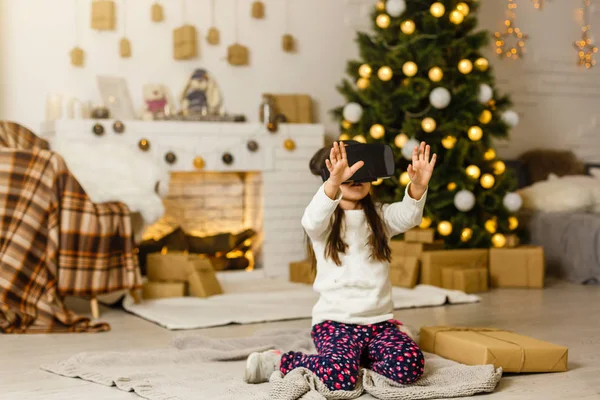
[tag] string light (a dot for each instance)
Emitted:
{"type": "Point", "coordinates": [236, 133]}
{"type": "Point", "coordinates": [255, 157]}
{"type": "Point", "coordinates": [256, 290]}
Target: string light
{"type": "Point", "coordinates": [512, 33]}
{"type": "Point", "coordinates": [585, 48]}
{"type": "Point", "coordinates": [538, 4]}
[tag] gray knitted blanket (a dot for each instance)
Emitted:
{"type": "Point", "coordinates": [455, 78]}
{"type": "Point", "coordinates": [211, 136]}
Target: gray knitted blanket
{"type": "Point", "coordinates": [196, 367]}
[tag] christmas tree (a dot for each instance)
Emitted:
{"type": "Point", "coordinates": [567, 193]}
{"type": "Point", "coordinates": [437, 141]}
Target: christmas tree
{"type": "Point", "coordinates": [422, 77]}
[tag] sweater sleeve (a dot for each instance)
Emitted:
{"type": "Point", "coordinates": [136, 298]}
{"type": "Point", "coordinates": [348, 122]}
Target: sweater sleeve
{"type": "Point", "coordinates": [404, 215]}
{"type": "Point", "coordinates": [317, 215]}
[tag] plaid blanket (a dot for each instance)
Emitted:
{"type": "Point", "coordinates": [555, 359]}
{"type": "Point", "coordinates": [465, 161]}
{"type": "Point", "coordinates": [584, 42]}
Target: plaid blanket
{"type": "Point", "coordinates": [54, 241]}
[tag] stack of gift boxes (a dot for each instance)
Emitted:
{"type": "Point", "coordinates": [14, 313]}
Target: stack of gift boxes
{"type": "Point", "coordinates": [420, 258]}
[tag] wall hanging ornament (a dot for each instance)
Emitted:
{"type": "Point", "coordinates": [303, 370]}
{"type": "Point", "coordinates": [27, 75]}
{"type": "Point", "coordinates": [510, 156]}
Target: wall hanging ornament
{"type": "Point", "coordinates": [214, 36]}
{"type": "Point", "coordinates": [103, 15]}
{"type": "Point", "coordinates": [237, 54]}
{"type": "Point", "coordinates": [252, 145]}
{"type": "Point", "coordinates": [144, 144]}
{"type": "Point", "coordinates": [258, 10]}
{"type": "Point", "coordinates": [170, 158]}
{"type": "Point", "coordinates": [517, 49]}
{"type": "Point", "coordinates": [585, 47]}
{"type": "Point", "coordinates": [124, 44]}
{"type": "Point", "coordinates": [289, 144]}
{"type": "Point", "coordinates": [76, 54]}
{"type": "Point", "coordinates": [227, 158]}
{"type": "Point", "coordinates": [288, 42]}
{"type": "Point", "coordinates": [185, 46]}
{"type": "Point", "coordinates": [199, 162]}
{"type": "Point", "coordinates": [157, 12]}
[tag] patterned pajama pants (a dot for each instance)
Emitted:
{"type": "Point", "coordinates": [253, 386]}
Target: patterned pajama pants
{"type": "Point", "coordinates": [344, 348]}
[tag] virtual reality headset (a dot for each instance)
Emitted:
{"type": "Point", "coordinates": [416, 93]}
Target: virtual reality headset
{"type": "Point", "coordinates": [378, 159]}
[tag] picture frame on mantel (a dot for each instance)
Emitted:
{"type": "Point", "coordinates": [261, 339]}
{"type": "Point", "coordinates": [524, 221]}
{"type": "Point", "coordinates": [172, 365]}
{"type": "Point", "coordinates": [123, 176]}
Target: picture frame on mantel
{"type": "Point", "coordinates": [116, 97]}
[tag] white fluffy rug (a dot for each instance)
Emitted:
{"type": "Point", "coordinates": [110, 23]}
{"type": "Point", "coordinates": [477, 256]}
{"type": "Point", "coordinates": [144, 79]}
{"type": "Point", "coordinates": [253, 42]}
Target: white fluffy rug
{"type": "Point", "coordinates": [272, 302]}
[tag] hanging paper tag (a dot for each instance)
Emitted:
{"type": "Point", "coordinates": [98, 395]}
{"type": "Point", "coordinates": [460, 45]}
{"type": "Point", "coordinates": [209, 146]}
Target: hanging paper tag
{"type": "Point", "coordinates": [158, 14]}
{"type": "Point", "coordinates": [103, 15]}
{"type": "Point", "coordinates": [214, 37]}
{"type": "Point", "coordinates": [77, 57]}
{"type": "Point", "coordinates": [125, 48]}
{"type": "Point", "coordinates": [238, 55]}
{"type": "Point", "coordinates": [258, 10]}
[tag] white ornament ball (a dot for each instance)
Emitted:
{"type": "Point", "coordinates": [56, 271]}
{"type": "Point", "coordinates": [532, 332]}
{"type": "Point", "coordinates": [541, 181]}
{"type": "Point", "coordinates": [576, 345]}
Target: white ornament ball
{"type": "Point", "coordinates": [395, 7]}
{"type": "Point", "coordinates": [512, 202]}
{"type": "Point", "coordinates": [510, 118]}
{"type": "Point", "coordinates": [353, 112]}
{"type": "Point", "coordinates": [440, 97]}
{"type": "Point", "coordinates": [485, 93]}
{"type": "Point", "coordinates": [408, 148]}
{"type": "Point", "coordinates": [464, 200]}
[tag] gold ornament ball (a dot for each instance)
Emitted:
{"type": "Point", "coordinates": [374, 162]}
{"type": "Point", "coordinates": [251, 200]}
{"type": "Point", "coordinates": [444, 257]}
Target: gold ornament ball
{"type": "Point", "coordinates": [466, 234]}
{"type": "Point", "coordinates": [362, 83]}
{"type": "Point", "coordinates": [400, 140]}
{"type": "Point", "coordinates": [436, 74]}
{"type": "Point", "coordinates": [344, 136]}
{"type": "Point", "coordinates": [346, 124]}
{"type": "Point", "coordinates": [482, 63]}
{"type": "Point", "coordinates": [404, 178]}
{"type": "Point", "coordinates": [451, 186]}
{"type": "Point", "coordinates": [377, 131]}
{"type": "Point", "coordinates": [385, 73]}
{"type": "Point", "coordinates": [473, 171]}
{"type": "Point", "coordinates": [499, 240]}
{"type": "Point", "coordinates": [365, 71]}
{"type": "Point", "coordinates": [378, 182]}
{"type": "Point", "coordinates": [144, 145]}
{"type": "Point", "coordinates": [289, 144]}
{"type": "Point", "coordinates": [408, 27]}
{"type": "Point", "coordinates": [448, 142]}
{"type": "Point", "coordinates": [425, 223]}
{"type": "Point", "coordinates": [444, 228]}
{"type": "Point", "coordinates": [410, 68]}
{"type": "Point", "coordinates": [465, 66]}
{"type": "Point", "coordinates": [485, 117]}
{"type": "Point", "coordinates": [490, 154]}
{"type": "Point", "coordinates": [428, 124]}
{"type": "Point", "coordinates": [463, 8]}
{"type": "Point", "coordinates": [437, 9]}
{"type": "Point", "coordinates": [487, 181]}
{"type": "Point", "coordinates": [381, 6]}
{"type": "Point", "coordinates": [383, 21]}
{"type": "Point", "coordinates": [475, 133]}
{"type": "Point", "coordinates": [456, 17]}
{"type": "Point", "coordinates": [360, 139]}
{"type": "Point", "coordinates": [491, 225]}
{"type": "Point", "coordinates": [499, 167]}
{"type": "Point", "coordinates": [513, 223]}
{"type": "Point", "coordinates": [199, 162]}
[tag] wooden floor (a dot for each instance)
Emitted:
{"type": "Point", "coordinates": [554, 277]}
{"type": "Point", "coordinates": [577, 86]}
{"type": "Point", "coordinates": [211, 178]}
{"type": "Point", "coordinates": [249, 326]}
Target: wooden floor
{"type": "Point", "coordinates": [564, 314]}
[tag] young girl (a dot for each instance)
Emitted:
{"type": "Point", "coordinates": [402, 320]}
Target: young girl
{"type": "Point", "coordinates": [352, 320]}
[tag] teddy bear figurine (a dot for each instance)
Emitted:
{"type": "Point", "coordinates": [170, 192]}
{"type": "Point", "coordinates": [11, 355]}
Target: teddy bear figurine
{"type": "Point", "coordinates": [156, 102]}
{"type": "Point", "coordinates": [201, 95]}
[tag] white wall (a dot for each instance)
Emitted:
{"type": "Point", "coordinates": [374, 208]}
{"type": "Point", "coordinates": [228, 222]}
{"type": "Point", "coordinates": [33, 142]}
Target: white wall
{"type": "Point", "coordinates": [557, 101]}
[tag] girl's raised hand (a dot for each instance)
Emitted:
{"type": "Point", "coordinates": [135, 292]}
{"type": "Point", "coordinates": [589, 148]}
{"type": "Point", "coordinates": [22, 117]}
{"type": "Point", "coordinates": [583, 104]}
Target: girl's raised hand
{"type": "Point", "coordinates": [339, 170]}
{"type": "Point", "coordinates": [421, 169]}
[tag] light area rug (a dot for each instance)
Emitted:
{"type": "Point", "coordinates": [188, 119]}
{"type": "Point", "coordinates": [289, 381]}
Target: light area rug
{"type": "Point", "coordinates": [267, 301]}
{"type": "Point", "coordinates": [197, 367]}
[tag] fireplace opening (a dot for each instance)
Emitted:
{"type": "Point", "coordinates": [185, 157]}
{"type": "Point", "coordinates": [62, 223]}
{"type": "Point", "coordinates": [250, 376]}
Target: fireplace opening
{"type": "Point", "coordinates": [216, 215]}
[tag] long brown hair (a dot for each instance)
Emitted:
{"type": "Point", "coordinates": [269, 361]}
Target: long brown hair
{"type": "Point", "coordinates": [378, 240]}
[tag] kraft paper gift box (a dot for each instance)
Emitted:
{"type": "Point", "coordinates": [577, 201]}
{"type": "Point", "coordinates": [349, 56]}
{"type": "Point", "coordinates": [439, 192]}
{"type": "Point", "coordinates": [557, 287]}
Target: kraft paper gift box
{"type": "Point", "coordinates": [468, 280]}
{"type": "Point", "coordinates": [432, 262]}
{"type": "Point", "coordinates": [404, 271]}
{"type": "Point", "coordinates": [420, 235]}
{"type": "Point", "coordinates": [522, 266]}
{"type": "Point", "coordinates": [163, 290]}
{"type": "Point", "coordinates": [302, 272]}
{"type": "Point", "coordinates": [401, 248]}
{"type": "Point", "coordinates": [202, 280]}
{"type": "Point", "coordinates": [297, 108]}
{"type": "Point", "coordinates": [103, 15]}
{"type": "Point", "coordinates": [185, 45]}
{"type": "Point", "coordinates": [480, 346]}
{"type": "Point", "coordinates": [169, 267]}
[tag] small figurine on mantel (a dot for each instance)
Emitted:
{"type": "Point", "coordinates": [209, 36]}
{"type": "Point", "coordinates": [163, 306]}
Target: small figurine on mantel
{"type": "Point", "coordinates": [157, 102]}
{"type": "Point", "coordinates": [201, 95]}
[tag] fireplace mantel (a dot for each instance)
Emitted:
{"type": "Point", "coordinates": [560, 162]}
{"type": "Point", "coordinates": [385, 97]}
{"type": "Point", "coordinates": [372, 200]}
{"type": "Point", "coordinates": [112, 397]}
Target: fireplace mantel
{"type": "Point", "coordinates": [287, 185]}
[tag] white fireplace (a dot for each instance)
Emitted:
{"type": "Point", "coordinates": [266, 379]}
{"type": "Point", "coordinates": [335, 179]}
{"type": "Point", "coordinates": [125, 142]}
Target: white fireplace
{"type": "Point", "coordinates": [265, 190]}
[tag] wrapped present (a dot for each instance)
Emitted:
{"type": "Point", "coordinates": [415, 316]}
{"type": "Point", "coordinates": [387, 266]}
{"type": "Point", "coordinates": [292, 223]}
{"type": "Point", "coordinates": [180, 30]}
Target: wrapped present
{"type": "Point", "coordinates": [103, 15]}
{"type": "Point", "coordinates": [518, 267]}
{"type": "Point", "coordinates": [479, 346]}
{"type": "Point", "coordinates": [185, 46]}
{"type": "Point", "coordinates": [163, 290]}
{"type": "Point", "coordinates": [296, 108]}
{"type": "Point", "coordinates": [404, 271]}
{"type": "Point", "coordinates": [302, 272]}
{"type": "Point", "coordinates": [420, 235]}
{"type": "Point", "coordinates": [202, 281]}
{"type": "Point", "coordinates": [432, 262]}
{"type": "Point", "coordinates": [468, 280]}
{"type": "Point", "coordinates": [402, 248]}
{"type": "Point", "coordinates": [169, 267]}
